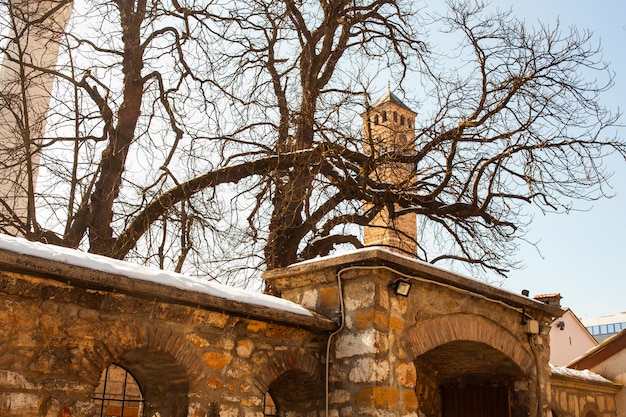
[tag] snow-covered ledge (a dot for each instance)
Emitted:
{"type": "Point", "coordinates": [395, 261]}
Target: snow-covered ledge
{"type": "Point", "coordinates": [102, 273]}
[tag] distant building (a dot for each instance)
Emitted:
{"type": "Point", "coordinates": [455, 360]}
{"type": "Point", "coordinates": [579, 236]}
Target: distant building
{"type": "Point", "coordinates": [604, 327]}
{"type": "Point", "coordinates": [568, 337]}
{"type": "Point", "coordinates": [609, 360]}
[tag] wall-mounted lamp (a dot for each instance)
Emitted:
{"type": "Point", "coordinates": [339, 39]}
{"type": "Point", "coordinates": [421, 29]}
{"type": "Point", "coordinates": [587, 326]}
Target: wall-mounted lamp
{"type": "Point", "coordinates": [401, 287]}
{"type": "Point", "coordinates": [560, 325]}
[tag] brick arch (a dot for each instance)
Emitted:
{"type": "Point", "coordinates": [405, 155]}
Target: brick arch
{"type": "Point", "coordinates": [425, 336]}
{"type": "Point", "coordinates": [590, 409]}
{"type": "Point", "coordinates": [129, 340]}
{"type": "Point", "coordinates": [289, 362]}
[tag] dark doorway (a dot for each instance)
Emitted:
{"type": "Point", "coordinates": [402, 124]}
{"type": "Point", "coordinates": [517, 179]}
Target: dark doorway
{"type": "Point", "coordinates": [475, 402]}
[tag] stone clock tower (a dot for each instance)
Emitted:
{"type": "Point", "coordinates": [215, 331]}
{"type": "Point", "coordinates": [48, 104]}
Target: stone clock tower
{"type": "Point", "coordinates": [390, 127]}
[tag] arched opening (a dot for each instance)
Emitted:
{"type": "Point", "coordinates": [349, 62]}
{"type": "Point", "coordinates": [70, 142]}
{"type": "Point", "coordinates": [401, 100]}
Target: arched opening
{"type": "Point", "coordinates": [590, 409]}
{"type": "Point", "coordinates": [118, 394]}
{"type": "Point", "coordinates": [143, 383]}
{"type": "Point", "coordinates": [294, 393]}
{"type": "Point", "coordinates": [269, 406]}
{"type": "Point", "coordinates": [470, 379]}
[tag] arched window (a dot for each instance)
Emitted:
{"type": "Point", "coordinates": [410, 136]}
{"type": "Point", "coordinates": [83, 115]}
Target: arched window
{"type": "Point", "coordinates": [376, 119]}
{"type": "Point", "coordinates": [269, 406]}
{"type": "Point", "coordinates": [118, 394]}
{"type": "Point", "coordinates": [402, 120]}
{"type": "Point", "coordinates": [395, 116]}
{"type": "Point", "coordinates": [384, 116]}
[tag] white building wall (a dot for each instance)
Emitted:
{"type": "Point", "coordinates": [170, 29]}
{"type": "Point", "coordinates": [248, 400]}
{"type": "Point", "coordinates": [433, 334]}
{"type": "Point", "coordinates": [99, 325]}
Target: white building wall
{"type": "Point", "coordinates": [570, 340]}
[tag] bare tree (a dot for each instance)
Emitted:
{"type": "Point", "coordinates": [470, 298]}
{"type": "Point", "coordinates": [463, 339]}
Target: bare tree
{"type": "Point", "coordinates": [228, 136]}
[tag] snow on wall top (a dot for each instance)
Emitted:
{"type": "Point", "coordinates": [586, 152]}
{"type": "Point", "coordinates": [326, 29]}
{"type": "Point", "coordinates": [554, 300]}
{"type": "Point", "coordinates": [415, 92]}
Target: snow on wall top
{"type": "Point", "coordinates": [574, 373]}
{"type": "Point", "coordinates": [116, 267]}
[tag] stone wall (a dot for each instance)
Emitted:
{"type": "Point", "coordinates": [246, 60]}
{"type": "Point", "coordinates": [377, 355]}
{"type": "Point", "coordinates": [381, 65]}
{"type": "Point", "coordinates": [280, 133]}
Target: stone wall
{"type": "Point", "coordinates": [394, 353]}
{"type": "Point", "coordinates": [366, 351]}
{"type": "Point", "coordinates": [574, 396]}
{"type": "Point", "coordinates": [58, 338]}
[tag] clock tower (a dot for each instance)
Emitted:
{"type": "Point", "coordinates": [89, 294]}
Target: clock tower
{"type": "Point", "coordinates": [389, 127]}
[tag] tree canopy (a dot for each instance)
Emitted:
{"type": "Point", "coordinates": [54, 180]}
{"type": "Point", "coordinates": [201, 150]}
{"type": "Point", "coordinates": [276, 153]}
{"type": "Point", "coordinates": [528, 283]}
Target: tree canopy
{"type": "Point", "coordinates": [226, 137]}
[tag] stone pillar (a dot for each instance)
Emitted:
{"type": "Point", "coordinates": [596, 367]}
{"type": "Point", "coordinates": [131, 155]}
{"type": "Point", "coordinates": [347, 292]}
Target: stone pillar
{"type": "Point", "coordinates": [370, 374]}
{"type": "Point", "coordinates": [375, 370]}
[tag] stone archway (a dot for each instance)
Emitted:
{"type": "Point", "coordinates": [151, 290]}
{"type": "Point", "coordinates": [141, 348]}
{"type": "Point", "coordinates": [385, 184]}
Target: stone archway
{"type": "Point", "coordinates": [467, 365]}
{"type": "Point", "coordinates": [162, 363]}
{"type": "Point", "coordinates": [295, 383]}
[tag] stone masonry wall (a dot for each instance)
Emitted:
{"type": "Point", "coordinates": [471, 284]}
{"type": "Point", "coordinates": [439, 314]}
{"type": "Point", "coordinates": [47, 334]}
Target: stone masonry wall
{"type": "Point", "coordinates": [57, 339]}
{"type": "Point", "coordinates": [385, 336]}
{"type": "Point", "coordinates": [573, 397]}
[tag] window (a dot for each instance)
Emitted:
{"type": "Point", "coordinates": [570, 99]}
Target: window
{"type": "Point", "coordinates": [269, 407]}
{"type": "Point", "coordinates": [395, 116]}
{"type": "Point", "coordinates": [376, 119]}
{"type": "Point", "coordinates": [384, 116]}
{"type": "Point", "coordinates": [402, 120]}
{"type": "Point", "coordinates": [118, 394]}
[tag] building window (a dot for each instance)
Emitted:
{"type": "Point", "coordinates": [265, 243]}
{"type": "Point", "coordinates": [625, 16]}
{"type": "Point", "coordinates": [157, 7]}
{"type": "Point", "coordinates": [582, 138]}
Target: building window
{"type": "Point", "coordinates": [384, 116]}
{"type": "Point", "coordinates": [395, 117]}
{"type": "Point", "coordinates": [402, 120]}
{"type": "Point", "coordinates": [118, 394]}
{"type": "Point", "coordinates": [269, 407]}
{"type": "Point", "coordinates": [376, 119]}
{"type": "Point", "coordinates": [403, 139]}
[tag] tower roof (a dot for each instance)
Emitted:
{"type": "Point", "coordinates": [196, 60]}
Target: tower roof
{"type": "Point", "coordinates": [390, 97]}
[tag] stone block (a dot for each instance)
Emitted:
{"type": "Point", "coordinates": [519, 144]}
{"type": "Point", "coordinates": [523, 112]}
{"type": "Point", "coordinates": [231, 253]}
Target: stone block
{"type": "Point", "coordinates": [310, 298]}
{"type": "Point", "coordinates": [359, 294]}
{"type": "Point", "coordinates": [363, 343]}
{"type": "Point", "coordinates": [369, 370]}
{"type": "Point", "coordinates": [328, 298]}
{"type": "Point", "coordinates": [377, 397]}
{"type": "Point", "coordinates": [409, 400]}
{"type": "Point", "coordinates": [19, 404]}
{"type": "Point", "coordinates": [239, 369]}
{"type": "Point", "coordinates": [339, 396]}
{"type": "Point", "coordinates": [406, 374]}
{"type": "Point", "coordinates": [218, 320]}
{"type": "Point", "coordinates": [216, 360]}
{"type": "Point", "coordinates": [197, 340]}
{"type": "Point", "coordinates": [244, 348]}
{"type": "Point", "coordinates": [378, 319]}
{"type": "Point", "coordinates": [10, 381]}
{"type": "Point", "coordinates": [215, 383]}
{"type": "Point", "coordinates": [256, 326]}
{"type": "Point", "coordinates": [172, 312]}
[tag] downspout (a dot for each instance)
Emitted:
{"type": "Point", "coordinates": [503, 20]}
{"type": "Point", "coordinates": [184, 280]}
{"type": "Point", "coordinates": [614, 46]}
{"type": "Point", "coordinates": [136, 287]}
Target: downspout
{"type": "Point", "coordinates": [330, 337]}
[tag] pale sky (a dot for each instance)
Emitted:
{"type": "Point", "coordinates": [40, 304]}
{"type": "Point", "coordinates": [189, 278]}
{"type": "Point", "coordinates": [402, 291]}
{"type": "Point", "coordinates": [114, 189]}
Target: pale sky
{"type": "Point", "coordinates": [584, 252]}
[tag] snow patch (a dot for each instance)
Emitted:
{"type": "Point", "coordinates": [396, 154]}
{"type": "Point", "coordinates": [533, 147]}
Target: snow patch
{"type": "Point", "coordinates": [116, 267]}
{"type": "Point", "coordinates": [574, 373]}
